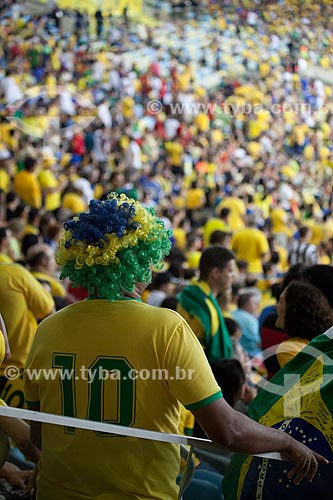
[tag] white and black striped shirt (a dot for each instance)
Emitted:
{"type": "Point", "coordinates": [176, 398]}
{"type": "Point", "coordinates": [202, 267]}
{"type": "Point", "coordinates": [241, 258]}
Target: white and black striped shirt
{"type": "Point", "coordinates": [301, 252]}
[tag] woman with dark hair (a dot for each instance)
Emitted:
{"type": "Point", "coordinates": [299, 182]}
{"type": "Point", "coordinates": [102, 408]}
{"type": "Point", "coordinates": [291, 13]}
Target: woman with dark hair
{"type": "Point", "coordinates": [303, 313]}
{"type": "Point", "coordinates": [270, 334]}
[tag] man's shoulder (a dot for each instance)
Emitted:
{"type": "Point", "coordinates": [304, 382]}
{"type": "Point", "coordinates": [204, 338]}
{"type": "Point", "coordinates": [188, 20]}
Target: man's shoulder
{"type": "Point", "coordinates": [14, 269]}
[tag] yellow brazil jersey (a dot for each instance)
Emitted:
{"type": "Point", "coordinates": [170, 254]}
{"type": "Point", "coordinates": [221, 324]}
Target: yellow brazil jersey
{"type": "Point", "coordinates": [250, 244]}
{"type": "Point", "coordinates": [73, 202]}
{"type": "Point", "coordinates": [212, 225]}
{"type": "Point", "coordinates": [22, 300]}
{"type": "Point", "coordinates": [237, 211]}
{"type": "Point", "coordinates": [47, 180]}
{"type": "Point", "coordinates": [28, 189]}
{"type": "Point", "coordinates": [115, 468]}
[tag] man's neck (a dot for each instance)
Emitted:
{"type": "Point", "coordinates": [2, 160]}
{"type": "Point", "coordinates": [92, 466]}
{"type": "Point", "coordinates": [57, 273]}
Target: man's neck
{"type": "Point", "coordinates": [215, 291]}
{"type": "Point", "coordinates": [134, 294]}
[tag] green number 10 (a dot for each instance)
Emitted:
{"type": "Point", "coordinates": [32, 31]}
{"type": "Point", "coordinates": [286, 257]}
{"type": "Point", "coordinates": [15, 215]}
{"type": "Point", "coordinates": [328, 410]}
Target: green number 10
{"type": "Point", "coordinates": [126, 389]}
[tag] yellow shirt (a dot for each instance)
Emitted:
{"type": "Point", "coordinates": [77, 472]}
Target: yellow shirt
{"type": "Point", "coordinates": [5, 259]}
{"type": "Point", "coordinates": [250, 244]}
{"type": "Point", "coordinates": [237, 211]}
{"type": "Point", "coordinates": [195, 198]}
{"type": "Point", "coordinates": [73, 202]}
{"type": "Point", "coordinates": [127, 106]}
{"type": "Point", "coordinates": [175, 151]}
{"type": "Point", "coordinates": [316, 230]}
{"type": "Point", "coordinates": [118, 467]}
{"type": "Point", "coordinates": [46, 180]}
{"type": "Point", "coordinates": [289, 348]}
{"type": "Point", "coordinates": [212, 225]}
{"type": "Point", "coordinates": [22, 300]}
{"type": "Point", "coordinates": [202, 122]}
{"type": "Point", "coordinates": [193, 259]}
{"type": "Point", "coordinates": [283, 254]}
{"type": "Point", "coordinates": [28, 189]}
{"type": "Point", "coordinates": [279, 219]}
{"type": "Point", "coordinates": [180, 236]}
{"type": "Point", "coordinates": [4, 181]}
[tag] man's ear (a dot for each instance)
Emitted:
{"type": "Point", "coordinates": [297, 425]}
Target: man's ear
{"type": "Point", "coordinates": [215, 272]}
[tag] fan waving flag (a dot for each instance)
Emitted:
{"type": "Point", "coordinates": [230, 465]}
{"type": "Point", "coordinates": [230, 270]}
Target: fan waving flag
{"type": "Point", "coordinates": [297, 400]}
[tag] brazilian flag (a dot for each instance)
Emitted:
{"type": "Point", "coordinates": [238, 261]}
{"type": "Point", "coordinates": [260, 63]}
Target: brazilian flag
{"type": "Point", "coordinates": [299, 401]}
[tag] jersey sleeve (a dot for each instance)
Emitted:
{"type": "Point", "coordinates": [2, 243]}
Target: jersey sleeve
{"type": "Point", "coordinates": [39, 300]}
{"type": "Point", "coordinates": [190, 379]}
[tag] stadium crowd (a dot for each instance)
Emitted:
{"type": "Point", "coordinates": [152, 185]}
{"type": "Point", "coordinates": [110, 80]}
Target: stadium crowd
{"type": "Point", "coordinates": [228, 137]}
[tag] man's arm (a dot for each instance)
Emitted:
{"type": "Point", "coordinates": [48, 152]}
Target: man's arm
{"type": "Point", "coordinates": [238, 433]}
{"type": "Point", "coordinates": [18, 431]}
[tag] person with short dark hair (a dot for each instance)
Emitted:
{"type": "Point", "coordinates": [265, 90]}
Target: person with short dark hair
{"type": "Point", "coordinates": [213, 224]}
{"type": "Point", "coordinates": [199, 306]}
{"type": "Point", "coordinates": [221, 238]}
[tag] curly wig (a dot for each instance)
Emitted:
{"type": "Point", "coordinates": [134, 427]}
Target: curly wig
{"type": "Point", "coordinates": [112, 246]}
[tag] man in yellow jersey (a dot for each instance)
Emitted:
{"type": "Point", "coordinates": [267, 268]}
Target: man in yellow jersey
{"type": "Point", "coordinates": [237, 211]}
{"type": "Point", "coordinates": [27, 186]}
{"type": "Point", "coordinates": [111, 250]}
{"type": "Point", "coordinates": [216, 224]}
{"type": "Point", "coordinates": [22, 300]}
{"type": "Point", "coordinates": [251, 244]}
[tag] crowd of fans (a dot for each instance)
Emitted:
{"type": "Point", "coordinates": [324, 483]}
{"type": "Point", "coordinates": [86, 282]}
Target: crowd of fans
{"type": "Point", "coordinates": [227, 137]}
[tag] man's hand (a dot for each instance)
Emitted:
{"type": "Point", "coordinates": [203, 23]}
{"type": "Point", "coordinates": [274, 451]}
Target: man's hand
{"type": "Point", "coordinates": [305, 460]}
{"type": "Point", "coordinates": [15, 476]}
